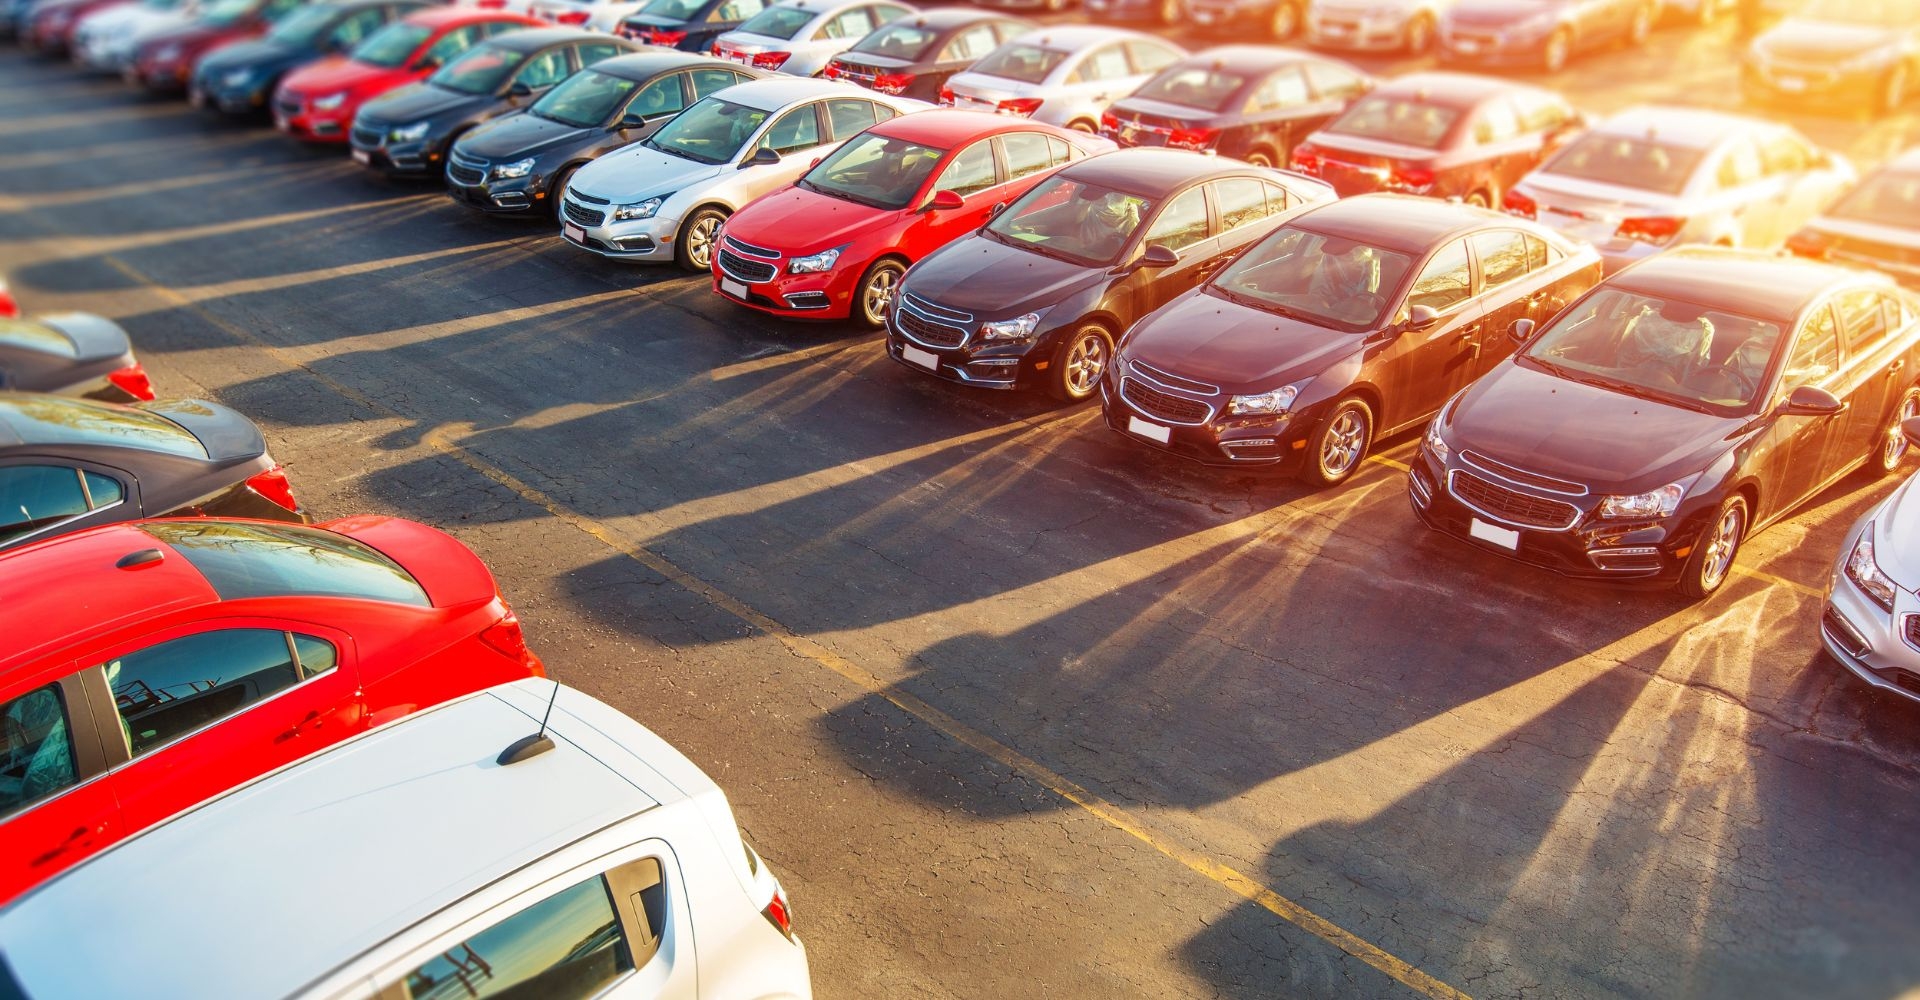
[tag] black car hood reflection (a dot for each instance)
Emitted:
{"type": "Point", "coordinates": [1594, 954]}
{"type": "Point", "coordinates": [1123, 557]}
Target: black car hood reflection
{"type": "Point", "coordinates": [257, 54]}
{"type": "Point", "coordinates": [993, 281]}
{"type": "Point", "coordinates": [1241, 349]}
{"type": "Point", "coordinates": [419, 101]}
{"type": "Point", "coordinates": [521, 135]}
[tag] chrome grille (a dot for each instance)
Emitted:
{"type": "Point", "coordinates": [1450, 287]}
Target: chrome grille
{"type": "Point", "coordinates": [582, 215]}
{"type": "Point", "coordinates": [1521, 477]}
{"type": "Point", "coordinates": [928, 332]}
{"type": "Point", "coordinates": [368, 137]}
{"type": "Point", "coordinates": [753, 251]}
{"type": "Point", "coordinates": [1163, 405]}
{"type": "Point", "coordinates": [753, 272]}
{"type": "Point", "coordinates": [466, 171]}
{"type": "Point", "coordinates": [1510, 506]}
{"type": "Point", "coordinates": [1169, 380]}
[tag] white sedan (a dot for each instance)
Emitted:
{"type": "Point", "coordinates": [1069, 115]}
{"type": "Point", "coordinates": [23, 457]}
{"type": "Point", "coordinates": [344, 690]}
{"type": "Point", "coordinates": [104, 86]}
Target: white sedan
{"type": "Point", "coordinates": [1064, 76]}
{"type": "Point", "coordinates": [799, 37]}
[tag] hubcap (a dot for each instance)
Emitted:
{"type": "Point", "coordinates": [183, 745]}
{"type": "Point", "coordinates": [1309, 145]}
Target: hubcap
{"type": "Point", "coordinates": [700, 241]}
{"type": "Point", "coordinates": [1895, 448]}
{"type": "Point", "coordinates": [1556, 52]}
{"type": "Point", "coordinates": [880, 293]}
{"type": "Point", "coordinates": [1344, 440]}
{"type": "Point", "coordinates": [1086, 363]}
{"type": "Point", "coordinates": [1726, 537]}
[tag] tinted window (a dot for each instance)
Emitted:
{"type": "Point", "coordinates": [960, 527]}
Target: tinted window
{"type": "Point", "coordinates": [55, 420]}
{"type": "Point", "coordinates": [1182, 223]}
{"type": "Point", "coordinates": [1284, 89]}
{"type": "Point", "coordinates": [1278, 198]}
{"type": "Point", "coordinates": [706, 81]}
{"type": "Point", "coordinates": [588, 99]}
{"type": "Point", "coordinates": [1496, 122]}
{"type": "Point", "coordinates": [970, 44]}
{"type": "Point", "coordinates": [1031, 152]}
{"type": "Point", "coordinates": [102, 491]}
{"type": "Point", "coordinates": [166, 691]}
{"type": "Point", "coordinates": [1201, 87]}
{"type": "Point", "coordinates": [36, 749]}
{"type": "Point", "coordinates": [316, 656]}
{"type": "Point", "coordinates": [35, 337]}
{"type": "Point", "coordinates": [711, 131]}
{"type": "Point", "coordinates": [1863, 318]}
{"type": "Point", "coordinates": [1241, 200]}
{"type": "Point", "coordinates": [1504, 257]}
{"type": "Point", "coordinates": [391, 45]}
{"type": "Point", "coordinates": [900, 41]}
{"type": "Point", "coordinates": [1410, 123]}
{"type": "Point", "coordinates": [1074, 221]}
{"type": "Point", "coordinates": [875, 170]}
{"type": "Point", "coordinates": [242, 559]}
{"type": "Point", "coordinates": [1327, 280]}
{"type": "Point", "coordinates": [850, 117]}
{"type": "Point", "coordinates": [565, 947]}
{"type": "Point", "coordinates": [480, 71]}
{"type": "Point", "coordinates": [736, 10]}
{"type": "Point", "coordinates": [1661, 348]}
{"type": "Point", "coordinates": [971, 170]}
{"type": "Point", "coordinates": [1105, 63]}
{"type": "Point", "coordinates": [1816, 353]}
{"type": "Point", "coordinates": [797, 129]}
{"type": "Point", "coordinates": [351, 31]}
{"type": "Point", "coordinates": [545, 70]}
{"type": "Point", "coordinates": [453, 43]}
{"type": "Point", "coordinates": [664, 96]}
{"type": "Point", "coordinates": [1446, 281]}
{"type": "Point", "coordinates": [1537, 253]}
{"type": "Point", "coordinates": [855, 23]}
{"type": "Point", "coordinates": [593, 52]}
{"type": "Point", "coordinates": [38, 496]}
{"type": "Point", "coordinates": [778, 22]}
{"type": "Point", "coordinates": [1641, 163]}
{"type": "Point", "coordinates": [1330, 81]}
{"type": "Point", "coordinates": [1026, 63]}
{"type": "Point", "coordinates": [1147, 57]}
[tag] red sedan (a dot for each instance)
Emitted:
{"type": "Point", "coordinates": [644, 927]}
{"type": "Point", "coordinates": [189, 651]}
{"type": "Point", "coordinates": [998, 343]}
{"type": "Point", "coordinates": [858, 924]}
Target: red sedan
{"type": "Point", "coordinates": [836, 243]}
{"type": "Point", "coordinates": [318, 102]}
{"type": "Point", "coordinates": [164, 62]}
{"type": "Point", "coordinates": [149, 666]}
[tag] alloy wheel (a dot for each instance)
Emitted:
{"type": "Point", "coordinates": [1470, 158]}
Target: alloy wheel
{"type": "Point", "coordinates": [877, 294]}
{"type": "Point", "coordinates": [1722, 545]}
{"type": "Point", "coordinates": [700, 241]}
{"type": "Point", "coordinates": [1345, 440]}
{"type": "Point", "coordinates": [1894, 446]}
{"type": "Point", "coordinates": [1086, 363]}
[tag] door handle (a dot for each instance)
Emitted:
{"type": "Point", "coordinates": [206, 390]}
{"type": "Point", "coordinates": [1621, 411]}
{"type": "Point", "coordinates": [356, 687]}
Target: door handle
{"type": "Point", "coordinates": [78, 838]}
{"type": "Point", "coordinates": [313, 721]}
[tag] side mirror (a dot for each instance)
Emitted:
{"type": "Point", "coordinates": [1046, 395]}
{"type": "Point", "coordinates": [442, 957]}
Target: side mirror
{"type": "Point", "coordinates": [1813, 401]}
{"type": "Point", "coordinates": [1911, 428]}
{"type": "Point", "coordinates": [631, 120]}
{"type": "Point", "coordinates": [1422, 317]}
{"type": "Point", "coordinates": [1521, 331]}
{"type": "Point", "coordinates": [427, 64]}
{"type": "Point", "coordinates": [762, 157]}
{"type": "Point", "coordinates": [519, 89]}
{"type": "Point", "coordinates": [1158, 257]}
{"type": "Point", "coordinates": [946, 201]}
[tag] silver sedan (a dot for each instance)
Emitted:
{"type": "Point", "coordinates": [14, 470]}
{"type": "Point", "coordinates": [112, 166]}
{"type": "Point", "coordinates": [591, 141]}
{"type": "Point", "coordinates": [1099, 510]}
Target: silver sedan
{"type": "Point", "coordinates": [799, 37]}
{"type": "Point", "coordinates": [1872, 619]}
{"type": "Point", "coordinates": [1062, 76]}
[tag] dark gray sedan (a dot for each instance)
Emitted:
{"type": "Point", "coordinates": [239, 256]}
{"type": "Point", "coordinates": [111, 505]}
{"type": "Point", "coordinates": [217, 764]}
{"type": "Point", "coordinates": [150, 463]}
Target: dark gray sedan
{"type": "Point", "coordinates": [71, 354]}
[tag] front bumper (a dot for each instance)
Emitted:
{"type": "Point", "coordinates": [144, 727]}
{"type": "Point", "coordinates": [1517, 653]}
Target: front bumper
{"type": "Point", "coordinates": [297, 118]}
{"type": "Point", "coordinates": [822, 295]}
{"type": "Point", "coordinates": [1216, 439]}
{"type": "Point", "coordinates": [1000, 364]}
{"type": "Point", "coordinates": [243, 100]}
{"type": "Point", "coordinates": [589, 228]}
{"type": "Point", "coordinates": [1873, 644]}
{"type": "Point", "coordinates": [1354, 32]}
{"type": "Point", "coordinates": [371, 149]}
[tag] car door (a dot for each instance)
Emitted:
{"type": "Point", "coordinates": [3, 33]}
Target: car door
{"type": "Point", "coordinates": [1791, 454]}
{"type": "Point", "coordinates": [541, 72]}
{"type": "Point", "coordinates": [1097, 80]}
{"type": "Point", "coordinates": [974, 173]}
{"type": "Point", "coordinates": [1872, 370]}
{"type": "Point", "coordinates": [1184, 225]}
{"type": "Point", "coordinates": [1243, 206]}
{"type": "Point", "coordinates": [56, 806]}
{"type": "Point", "coordinates": [649, 107]}
{"type": "Point", "coordinates": [204, 706]}
{"type": "Point", "coordinates": [1423, 367]}
{"type": "Point", "coordinates": [42, 496]}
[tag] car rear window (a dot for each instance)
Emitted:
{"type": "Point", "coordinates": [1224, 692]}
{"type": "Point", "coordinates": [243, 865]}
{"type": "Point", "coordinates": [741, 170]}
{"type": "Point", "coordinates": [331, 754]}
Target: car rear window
{"type": "Point", "coordinates": [1018, 61]}
{"type": "Point", "coordinates": [57, 420]}
{"type": "Point", "coordinates": [777, 22]}
{"type": "Point", "coordinates": [1193, 87]}
{"type": "Point", "coordinates": [244, 559]}
{"type": "Point", "coordinates": [35, 337]}
{"type": "Point", "coordinates": [1644, 164]}
{"type": "Point", "coordinates": [1409, 123]}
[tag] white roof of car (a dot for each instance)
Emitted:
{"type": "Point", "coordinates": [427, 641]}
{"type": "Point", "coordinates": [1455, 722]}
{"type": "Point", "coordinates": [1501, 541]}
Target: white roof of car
{"type": "Point", "coordinates": [1074, 37]}
{"type": "Point", "coordinates": [260, 892]}
{"type": "Point", "coordinates": [1691, 127]}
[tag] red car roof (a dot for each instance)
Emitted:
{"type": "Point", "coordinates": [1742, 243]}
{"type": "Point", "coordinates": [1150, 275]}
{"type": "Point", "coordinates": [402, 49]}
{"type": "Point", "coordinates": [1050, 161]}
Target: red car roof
{"type": "Point", "coordinates": [948, 128]}
{"type": "Point", "coordinates": [93, 594]}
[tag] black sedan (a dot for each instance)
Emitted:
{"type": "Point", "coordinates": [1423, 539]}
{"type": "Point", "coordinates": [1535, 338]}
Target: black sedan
{"type": "Point", "coordinates": [1249, 101]}
{"type": "Point", "coordinates": [409, 131]}
{"type": "Point", "coordinates": [1843, 54]}
{"type": "Point", "coordinates": [1039, 295]}
{"type": "Point", "coordinates": [1353, 321]}
{"type": "Point", "coordinates": [687, 25]}
{"type": "Point", "coordinates": [240, 78]}
{"type": "Point", "coordinates": [513, 163]}
{"type": "Point", "coordinates": [1686, 403]}
{"type": "Point", "coordinates": [1877, 224]}
{"type": "Point", "coordinates": [71, 354]}
{"type": "Point", "coordinates": [67, 464]}
{"type": "Point", "coordinates": [914, 55]}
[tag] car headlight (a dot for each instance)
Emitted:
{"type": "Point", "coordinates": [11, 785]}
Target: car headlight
{"type": "Point", "coordinates": [166, 53]}
{"type": "Point", "coordinates": [408, 133]}
{"type": "Point", "coordinates": [1436, 444]}
{"type": "Point", "coordinates": [643, 210]}
{"type": "Point", "coordinates": [1653, 503]}
{"type": "Point", "coordinates": [236, 78]}
{"type": "Point", "coordinates": [1866, 574]}
{"type": "Point", "coordinates": [1276, 401]}
{"type": "Point", "coordinates": [1017, 328]}
{"type": "Point", "coordinates": [509, 171]}
{"type": "Point", "coordinates": [331, 102]}
{"type": "Point", "coordinates": [1870, 60]}
{"type": "Point", "coordinates": [815, 263]}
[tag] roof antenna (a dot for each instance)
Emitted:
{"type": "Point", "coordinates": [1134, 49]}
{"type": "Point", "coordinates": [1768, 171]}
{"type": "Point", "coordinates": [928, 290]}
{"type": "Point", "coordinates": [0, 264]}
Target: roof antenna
{"type": "Point", "coordinates": [528, 747]}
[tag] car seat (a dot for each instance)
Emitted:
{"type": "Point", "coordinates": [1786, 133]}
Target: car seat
{"type": "Point", "coordinates": [1652, 340]}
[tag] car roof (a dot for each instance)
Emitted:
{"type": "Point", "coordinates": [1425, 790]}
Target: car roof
{"type": "Point", "coordinates": [942, 18]}
{"type": "Point", "coordinates": [55, 590]}
{"type": "Point", "coordinates": [1153, 173]}
{"type": "Point", "coordinates": [1907, 162]}
{"type": "Point", "coordinates": [950, 126]}
{"type": "Point", "coordinates": [1741, 281]}
{"type": "Point", "coordinates": [437, 17]}
{"type": "Point", "coordinates": [534, 39]}
{"type": "Point", "coordinates": [1454, 90]}
{"type": "Point", "coordinates": [776, 92]}
{"type": "Point", "coordinates": [653, 61]}
{"type": "Point", "coordinates": [417, 814]}
{"type": "Point", "coordinates": [1688, 127]}
{"type": "Point", "coordinates": [1251, 58]}
{"type": "Point", "coordinates": [1074, 37]}
{"type": "Point", "coordinates": [1402, 222]}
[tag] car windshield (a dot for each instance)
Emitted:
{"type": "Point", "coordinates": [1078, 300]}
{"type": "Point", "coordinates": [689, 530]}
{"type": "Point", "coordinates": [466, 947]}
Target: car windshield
{"type": "Point", "coordinates": [1876, 13]}
{"type": "Point", "coordinates": [712, 131]}
{"type": "Point", "coordinates": [899, 41]}
{"type": "Point", "coordinates": [244, 559]}
{"type": "Point", "coordinates": [1886, 198]}
{"type": "Point", "coordinates": [777, 22]}
{"type": "Point", "coordinates": [303, 27]}
{"type": "Point", "coordinates": [1193, 87]}
{"type": "Point", "coordinates": [480, 71]}
{"type": "Point", "coordinates": [875, 171]}
{"type": "Point", "coordinates": [226, 12]}
{"type": "Point", "coordinates": [35, 337]}
{"type": "Point", "coordinates": [1662, 349]}
{"type": "Point", "coordinates": [676, 10]}
{"type": "Point", "coordinates": [56, 420]}
{"type": "Point", "coordinates": [1397, 120]}
{"type": "Point", "coordinates": [1326, 280]}
{"type": "Point", "coordinates": [391, 45]}
{"type": "Point", "coordinates": [1019, 61]}
{"type": "Point", "coordinates": [1074, 221]}
{"type": "Point", "coordinates": [1644, 164]}
{"type": "Point", "coordinates": [586, 99]}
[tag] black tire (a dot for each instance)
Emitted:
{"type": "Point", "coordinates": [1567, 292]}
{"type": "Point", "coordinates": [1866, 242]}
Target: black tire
{"type": "Point", "coordinates": [877, 289]}
{"type": "Point", "coordinates": [1339, 445]}
{"type": "Point", "coordinates": [1263, 157]}
{"type": "Point", "coordinates": [1894, 446]}
{"type": "Point", "coordinates": [1083, 125]}
{"type": "Point", "coordinates": [1715, 550]}
{"type": "Point", "coordinates": [1285, 22]}
{"type": "Point", "coordinates": [1557, 51]}
{"type": "Point", "coordinates": [1419, 38]}
{"type": "Point", "coordinates": [693, 247]}
{"type": "Point", "coordinates": [557, 189]}
{"type": "Point", "coordinates": [1079, 362]}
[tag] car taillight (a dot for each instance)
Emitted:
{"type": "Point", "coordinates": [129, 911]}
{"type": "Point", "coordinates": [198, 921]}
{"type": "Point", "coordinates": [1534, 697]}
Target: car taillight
{"type": "Point", "coordinates": [834, 70]}
{"type": "Point", "coordinates": [273, 485]}
{"type": "Point", "coordinates": [779, 915]}
{"type": "Point", "coordinates": [669, 39]}
{"type": "Point", "coordinates": [1193, 138]}
{"type": "Point", "coordinates": [714, 49]}
{"type": "Point", "coordinates": [1306, 159]}
{"type": "Point", "coordinates": [506, 637]}
{"type": "Point", "coordinates": [573, 17]}
{"type": "Point", "coordinates": [1808, 243]}
{"type": "Point", "coordinates": [1519, 204]}
{"type": "Point", "coordinates": [133, 381]}
{"type": "Point", "coordinates": [1652, 229]}
{"type": "Point", "coordinates": [8, 307]}
{"type": "Point", "coordinates": [1109, 123]}
{"type": "Point", "coordinates": [893, 83]}
{"type": "Point", "coordinates": [770, 60]}
{"type": "Point", "coordinates": [946, 95]}
{"type": "Point", "coordinates": [1414, 179]}
{"type": "Point", "coordinates": [1022, 106]}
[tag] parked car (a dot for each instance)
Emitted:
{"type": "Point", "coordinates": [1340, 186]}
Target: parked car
{"type": "Point", "coordinates": [601, 863]}
{"type": "Point", "coordinates": [1041, 294]}
{"type": "Point", "coordinates": [1658, 422]}
{"type": "Point", "coordinates": [1157, 11]}
{"type": "Point", "coordinates": [1278, 19]}
{"type": "Point", "coordinates": [1445, 135]}
{"type": "Point", "coordinates": [1062, 76]}
{"type": "Point", "coordinates": [687, 25]}
{"type": "Point", "coordinates": [409, 131]}
{"type": "Point", "coordinates": [665, 197]}
{"type": "Point", "coordinates": [105, 40]}
{"type": "Point", "coordinates": [1844, 54]}
{"type": "Point", "coordinates": [67, 464]}
{"type": "Point", "coordinates": [241, 78]}
{"type": "Point", "coordinates": [1374, 25]}
{"type": "Point", "coordinates": [1871, 602]}
{"type": "Point", "coordinates": [9, 307]}
{"type": "Point", "coordinates": [152, 666]}
{"type": "Point", "coordinates": [163, 59]}
{"type": "Point", "coordinates": [1650, 178]}
{"type": "Point", "coordinates": [1540, 33]}
{"type": "Point", "coordinates": [1044, 6]}
{"type": "Point", "coordinates": [915, 56]}
{"type": "Point", "coordinates": [799, 37]}
{"type": "Point", "coordinates": [513, 163]}
{"type": "Point", "coordinates": [1351, 322]}
{"type": "Point", "coordinates": [318, 102]}
{"type": "Point", "coordinates": [835, 244]}
{"type": "Point", "coordinates": [71, 354]}
{"type": "Point", "coordinates": [1253, 102]}
{"type": "Point", "coordinates": [49, 29]}
{"type": "Point", "coordinates": [1876, 225]}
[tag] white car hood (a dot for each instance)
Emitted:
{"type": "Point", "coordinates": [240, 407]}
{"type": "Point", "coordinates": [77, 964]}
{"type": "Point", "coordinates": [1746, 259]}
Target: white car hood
{"type": "Point", "coordinates": [638, 173]}
{"type": "Point", "coordinates": [154, 23]}
{"type": "Point", "coordinates": [113, 20]}
{"type": "Point", "coordinates": [1896, 536]}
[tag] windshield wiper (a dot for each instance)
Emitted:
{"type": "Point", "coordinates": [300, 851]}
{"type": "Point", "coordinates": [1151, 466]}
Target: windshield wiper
{"type": "Point", "coordinates": [672, 151]}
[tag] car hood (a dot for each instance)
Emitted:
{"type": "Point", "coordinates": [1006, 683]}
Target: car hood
{"type": "Point", "coordinates": [638, 173]}
{"type": "Point", "coordinates": [1241, 349]}
{"type": "Point", "coordinates": [981, 275]}
{"type": "Point", "coordinates": [1896, 542]}
{"type": "Point", "coordinates": [256, 53]}
{"type": "Point", "coordinates": [1822, 41]}
{"type": "Point", "coordinates": [143, 23]}
{"type": "Point", "coordinates": [1497, 12]}
{"type": "Point", "coordinates": [1612, 442]}
{"type": "Point", "coordinates": [95, 338]}
{"type": "Point", "coordinates": [337, 73]}
{"type": "Point", "coordinates": [520, 134]}
{"type": "Point", "coordinates": [803, 222]}
{"type": "Point", "coordinates": [421, 100]}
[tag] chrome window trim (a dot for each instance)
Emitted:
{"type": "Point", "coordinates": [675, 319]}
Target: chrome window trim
{"type": "Point", "coordinates": [294, 655]}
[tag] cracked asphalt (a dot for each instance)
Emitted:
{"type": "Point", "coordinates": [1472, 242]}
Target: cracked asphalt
{"type": "Point", "coordinates": [1015, 708]}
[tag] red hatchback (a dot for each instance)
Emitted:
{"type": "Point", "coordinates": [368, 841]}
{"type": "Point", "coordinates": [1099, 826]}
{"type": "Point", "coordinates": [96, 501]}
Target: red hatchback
{"type": "Point", "coordinates": [152, 665]}
{"type": "Point", "coordinates": [318, 102]}
{"type": "Point", "coordinates": [836, 243]}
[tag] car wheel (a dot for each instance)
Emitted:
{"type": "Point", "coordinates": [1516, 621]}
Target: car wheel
{"type": "Point", "coordinates": [1893, 91]}
{"type": "Point", "coordinates": [1713, 552]}
{"type": "Point", "coordinates": [1420, 34]}
{"type": "Point", "coordinates": [876, 292]}
{"type": "Point", "coordinates": [1480, 199]}
{"type": "Point", "coordinates": [557, 188]}
{"type": "Point", "coordinates": [1262, 157]}
{"type": "Point", "coordinates": [698, 235]}
{"type": "Point", "coordinates": [1083, 125]}
{"type": "Point", "coordinates": [1893, 443]}
{"type": "Point", "coordinates": [1642, 26]}
{"type": "Point", "coordinates": [1553, 55]}
{"type": "Point", "coordinates": [1286, 20]}
{"type": "Point", "coordinates": [1340, 444]}
{"type": "Point", "coordinates": [1079, 363]}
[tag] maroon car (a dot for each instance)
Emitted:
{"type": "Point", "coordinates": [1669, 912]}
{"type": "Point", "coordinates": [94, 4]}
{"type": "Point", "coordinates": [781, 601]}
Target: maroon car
{"type": "Point", "coordinates": [1446, 135]}
{"type": "Point", "coordinates": [50, 28]}
{"type": "Point", "coordinates": [165, 62]}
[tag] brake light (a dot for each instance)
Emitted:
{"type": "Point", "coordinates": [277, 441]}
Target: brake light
{"type": "Point", "coordinates": [946, 96]}
{"type": "Point", "coordinates": [1306, 159]}
{"type": "Point", "coordinates": [1022, 106]}
{"type": "Point", "coordinates": [770, 60]}
{"type": "Point", "coordinates": [1412, 179]}
{"type": "Point", "coordinates": [506, 638]}
{"type": "Point", "coordinates": [657, 36]}
{"type": "Point", "coordinates": [1809, 243]}
{"type": "Point", "coordinates": [834, 70]}
{"type": "Point", "coordinates": [1109, 123]}
{"type": "Point", "coordinates": [1519, 204]}
{"type": "Point", "coordinates": [8, 307]}
{"type": "Point", "coordinates": [714, 49]}
{"type": "Point", "coordinates": [1653, 229]}
{"type": "Point", "coordinates": [1193, 138]}
{"type": "Point", "coordinates": [893, 83]}
{"type": "Point", "coordinates": [133, 381]}
{"type": "Point", "coordinates": [572, 17]}
{"type": "Point", "coordinates": [778, 915]}
{"type": "Point", "coordinates": [272, 484]}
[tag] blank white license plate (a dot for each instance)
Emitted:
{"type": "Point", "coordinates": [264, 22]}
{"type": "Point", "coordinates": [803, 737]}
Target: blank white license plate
{"type": "Point", "coordinates": [1792, 83]}
{"type": "Point", "coordinates": [1506, 538]}
{"type": "Point", "coordinates": [925, 359]}
{"type": "Point", "coordinates": [362, 156]}
{"type": "Point", "coordinates": [1150, 431]}
{"type": "Point", "coordinates": [733, 288]}
{"type": "Point", "coordinates": [573, 232]}
{"type": "Point", "coordinates": [197, 98]}
{"type": "Point", "coordinates": [1466, 45]}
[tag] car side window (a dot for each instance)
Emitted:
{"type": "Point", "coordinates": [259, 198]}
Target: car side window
{"type": "Point", "coordinates": [170, 689]}
{"type": "Point", "coordinates": [664, 96]}
{"type": "Point", "coordinates": [36, 749]}
{"type": "Point", "coordinates": [569, 946]}
{"type": "Point", "coordinates": [796, 130]}
{"type": "Point", "coordinates": [707, 81]}
{"type": "Point", "coordinates": [855, 23]}
{"type": "Point", "coordinates": [1285, 88]}
{"type": "Point", "coordinates": [1739, 164]}
{"type": "Point", "coordinates": [453, 43]}
{"type": "Point", "coordinates": [349, 32]}
{"type": "Point", "coordinates": [970, 171]}
{"type": "Point", "coordinates": [850, 117]}
{"type": "Point", "coordinates": [1182, 223]}
{"type": "Point", "coordinates": [1147, 57]}
{"type": "Point", "coordinates": [544, 70]}
{"type": "Point", "coordinates": [1241, 200]}
{"type": "Point", "coordinates": [1863, 320]}
{"type": "Point", "coordinates": [1108, 62]}
{"type": "Point", "coordinates": [1031, 152]}
{"type": "Point", "coordinates": [1278, 198]}
{"type": "Point", "coordinates": [970, 45]}
{"type": "Point", "coordinates": [736, 10]}
{"type": "Point", "coordinates": [1495, 122]}
{"type": "Point", "coordinates": [1816, 352]}
{"type": "Point", "coordinates": [33, 497]}
{"type": "Point", "coordinates": [277, 9]}
{"type": "Point", "coordinates": [1446, 281]}
{"type": "Point", "coordinates": [1332, 82]}
{"type": "Point", "coordinates": [1504, 256]}
{"type": "Point", "coordinates": [593, 52]}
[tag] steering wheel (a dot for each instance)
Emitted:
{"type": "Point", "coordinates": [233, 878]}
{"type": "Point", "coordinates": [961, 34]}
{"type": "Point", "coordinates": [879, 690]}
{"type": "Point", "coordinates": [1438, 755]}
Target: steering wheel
{"type": "Point", "coordinates": [1747, 384]}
